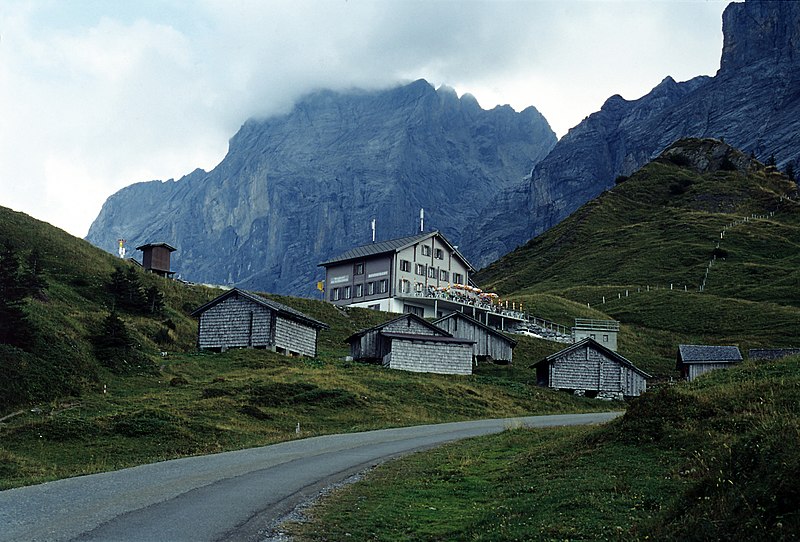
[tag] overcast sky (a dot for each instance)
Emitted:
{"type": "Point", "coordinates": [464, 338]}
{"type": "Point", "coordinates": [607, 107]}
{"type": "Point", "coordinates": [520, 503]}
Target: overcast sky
{"type": "Point", "coordinates": [98, 94]}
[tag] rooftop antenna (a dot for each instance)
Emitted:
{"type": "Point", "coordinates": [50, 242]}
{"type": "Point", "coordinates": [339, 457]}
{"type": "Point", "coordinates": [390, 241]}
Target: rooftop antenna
{"type": "Point", "coordinates": [373, 230]}
{"type": "Point", "coordinates": [121, 249]}
{"type": "Point", "coordinates": [421, 220]}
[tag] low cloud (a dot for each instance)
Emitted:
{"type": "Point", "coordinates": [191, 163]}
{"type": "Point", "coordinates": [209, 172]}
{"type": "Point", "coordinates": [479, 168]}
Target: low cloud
{"type": "Point", "coordinates": [96, 96]}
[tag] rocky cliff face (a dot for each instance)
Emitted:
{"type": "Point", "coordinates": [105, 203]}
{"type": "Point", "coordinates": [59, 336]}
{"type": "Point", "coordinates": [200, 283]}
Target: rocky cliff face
{"type": "Point", "coordinates": [753, 102]}
{"type": "Point", "coordinates": [297, 189]}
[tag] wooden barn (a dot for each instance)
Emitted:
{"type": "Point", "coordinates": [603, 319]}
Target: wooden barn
{"type": "Point", "coordinates": [694, 360]}
{"type": "Point", "coordinates": [238, 319]}
{"type": "Point", "coordinates": [590, 368]}
{"type": "Point", "coordinates": [409, 343]}
{"type": "Point", "coordinates": [490, 344]}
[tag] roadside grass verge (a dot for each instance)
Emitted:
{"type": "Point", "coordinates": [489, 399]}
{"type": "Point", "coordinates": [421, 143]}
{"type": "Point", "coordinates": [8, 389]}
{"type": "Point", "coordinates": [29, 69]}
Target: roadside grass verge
{"type": "Point", "coordinates": [717, 459]}
{"type": "Point", "coordinates": [205, 403]}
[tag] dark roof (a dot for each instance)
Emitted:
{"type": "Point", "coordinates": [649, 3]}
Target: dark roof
{"type": "Point", "coordinates": [280, 308]}
{"type": "Point", "coordinates": [439, 331]}
{"type": "Point", "coordinates": [392, 245]}
{"type": "Point", "coordinates": [478, 323]}
{"type": "Point", "coordinates": [152, 245]}
{"type": "Point", "coordinates": [588, 341]}
{"type": "Point", "coordinates": [693, 353]}
{"type": "Point", "coordinates": [427, 338]}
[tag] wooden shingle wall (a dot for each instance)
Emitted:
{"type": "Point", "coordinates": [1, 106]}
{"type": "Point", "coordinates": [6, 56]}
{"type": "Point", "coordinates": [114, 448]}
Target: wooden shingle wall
{"type": "Point", "coordinates": [486, 344]}
{"type": "Point", "coordinates": [371, 345]}
{"type": "Point", "coordinates": [235, 322]}
{"type": "Point", "coordinates": [590, 370]}
{"type": "Point", "coordinates": [426, 357]}
{"type": "Point", "coordinates": [696, 369]}
{"type": "Point", "coordinates": [294, 337]}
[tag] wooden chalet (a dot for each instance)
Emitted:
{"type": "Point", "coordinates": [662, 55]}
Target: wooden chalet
{"type": "Point", "coordinates": [589, 368]}
{"type": "Point", "coordinates": [240, 319]}
{"type": "Point", "coordinates": [156, 258]}
{"type": "Point", "coordinates": [694, 360]}
{"type": "Point", "coordinates": [490, 344]}
{"type": "Point", "coordinates": [410, 343]}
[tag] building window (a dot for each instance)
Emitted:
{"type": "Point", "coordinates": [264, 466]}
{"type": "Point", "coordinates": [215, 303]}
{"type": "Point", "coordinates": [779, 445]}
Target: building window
{"type": "Point", "coordinates": [375, 307]}
{"type": "Point", "coordinates": [359, 290]}
{"type": "Point", "coordinates": [405, 286]}
{"type": "Point", "coordinates": [335, 294]}
{"type": "Point", "coordinates": [605, 338]}
{"type": "Point", "coordinates": [438, 254]}
{"type": "Point", "coordinates": [420, 269]}
{"type": "Point", "coordinates": [444, 275]}
{"type": "Point", "coordinates": [405, 265]}
{"type": "Point", "coordinates": [426, 250]}
{"type": "Point", "coordinates": [358, 269]}
{"type": "Point", "coordinates": [370, 288]}
{"type": "Point", "coordinates": [418, 286]}
{"type": "Point", "coordinates": [432, 272]}
{"type": "Point", "coordinates": [346, 294]}
{"type": "Point", "coordinates": [383, 286]}
{"type": "Point", "coordinates": [458, 278]}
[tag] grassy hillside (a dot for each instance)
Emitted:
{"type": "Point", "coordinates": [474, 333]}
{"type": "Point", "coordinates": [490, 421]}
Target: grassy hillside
{"type": "Point", "coordinates": [714, 460]}
{"type": "Point", "coordinates": [661, 226]}
{"type": "Point", "coordinates": [640, 252]}
{"type": "Point", "coordinates": [68, 409]}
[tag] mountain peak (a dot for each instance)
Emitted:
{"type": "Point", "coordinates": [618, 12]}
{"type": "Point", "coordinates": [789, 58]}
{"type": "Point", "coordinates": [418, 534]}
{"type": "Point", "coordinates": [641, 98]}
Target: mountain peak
{"type": "Point", "coordinates": [759, 31]}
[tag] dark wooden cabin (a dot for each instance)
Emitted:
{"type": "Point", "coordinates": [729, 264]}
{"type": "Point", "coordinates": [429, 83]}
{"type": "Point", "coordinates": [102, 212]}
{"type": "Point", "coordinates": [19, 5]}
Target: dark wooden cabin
{"type": "Point", "coordinates": [155, 258]}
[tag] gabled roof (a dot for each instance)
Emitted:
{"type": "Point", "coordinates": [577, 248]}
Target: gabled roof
{"type": "Point", "coordinates": [694, 353]}
{"type": "Point", "coordinates": [591, 343]}
{"type": "Point", "coordinates": [481, 325]}
{"type": "Point", "coordinates": [438, 331]}
{"type": "Point", "coordinates": [392, 246]}
{"type": "Point", "coordinates": [279, 308]}
{"type": "Point", "coordinates": [153, 245]}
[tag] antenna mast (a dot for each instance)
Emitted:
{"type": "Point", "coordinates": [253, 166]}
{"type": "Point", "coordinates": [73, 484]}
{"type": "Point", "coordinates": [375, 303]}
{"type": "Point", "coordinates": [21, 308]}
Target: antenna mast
{"type": "Point", "coordinates": [373, 230]}
{"type": "Point", "coordinates": [421, 220]}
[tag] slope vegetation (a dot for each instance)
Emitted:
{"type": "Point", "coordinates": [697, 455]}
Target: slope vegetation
{"type": "Point", "coordinates": [701, 245]}
{"type": "Point", "coordinates": [99, 370]}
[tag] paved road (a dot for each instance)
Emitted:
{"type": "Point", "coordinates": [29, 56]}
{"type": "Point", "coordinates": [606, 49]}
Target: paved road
{"type": "Point", "coordinates": [228, 496]}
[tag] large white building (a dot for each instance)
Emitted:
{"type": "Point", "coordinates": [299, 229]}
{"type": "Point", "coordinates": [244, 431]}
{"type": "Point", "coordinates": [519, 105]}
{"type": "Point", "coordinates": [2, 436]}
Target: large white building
{"type": "Point", "coordinates": [422, 274]}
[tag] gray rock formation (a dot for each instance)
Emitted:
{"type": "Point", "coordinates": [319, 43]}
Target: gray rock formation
{"type": "Point", "coordinates": [296, 189]}
{"type": "Point", "coordinates": [753, 103]}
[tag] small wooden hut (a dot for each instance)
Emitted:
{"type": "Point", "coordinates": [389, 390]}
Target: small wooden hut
{"type": "Point", "coordinates": [490, 344]}
{"type": "Point", "coordinates": [156, 258]}
{"type": "Point", "coordinates": [410, 343]}
{"type": "Point", "coordinates": [590, 368]}
{"type": "Point", "coordinates": [239, 319]}
{"type": "Point", "coordinates": [694, 360]}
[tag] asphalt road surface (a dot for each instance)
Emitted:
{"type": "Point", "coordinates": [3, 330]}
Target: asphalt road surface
{"type": "Point", "coordinates": [228, 496]}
